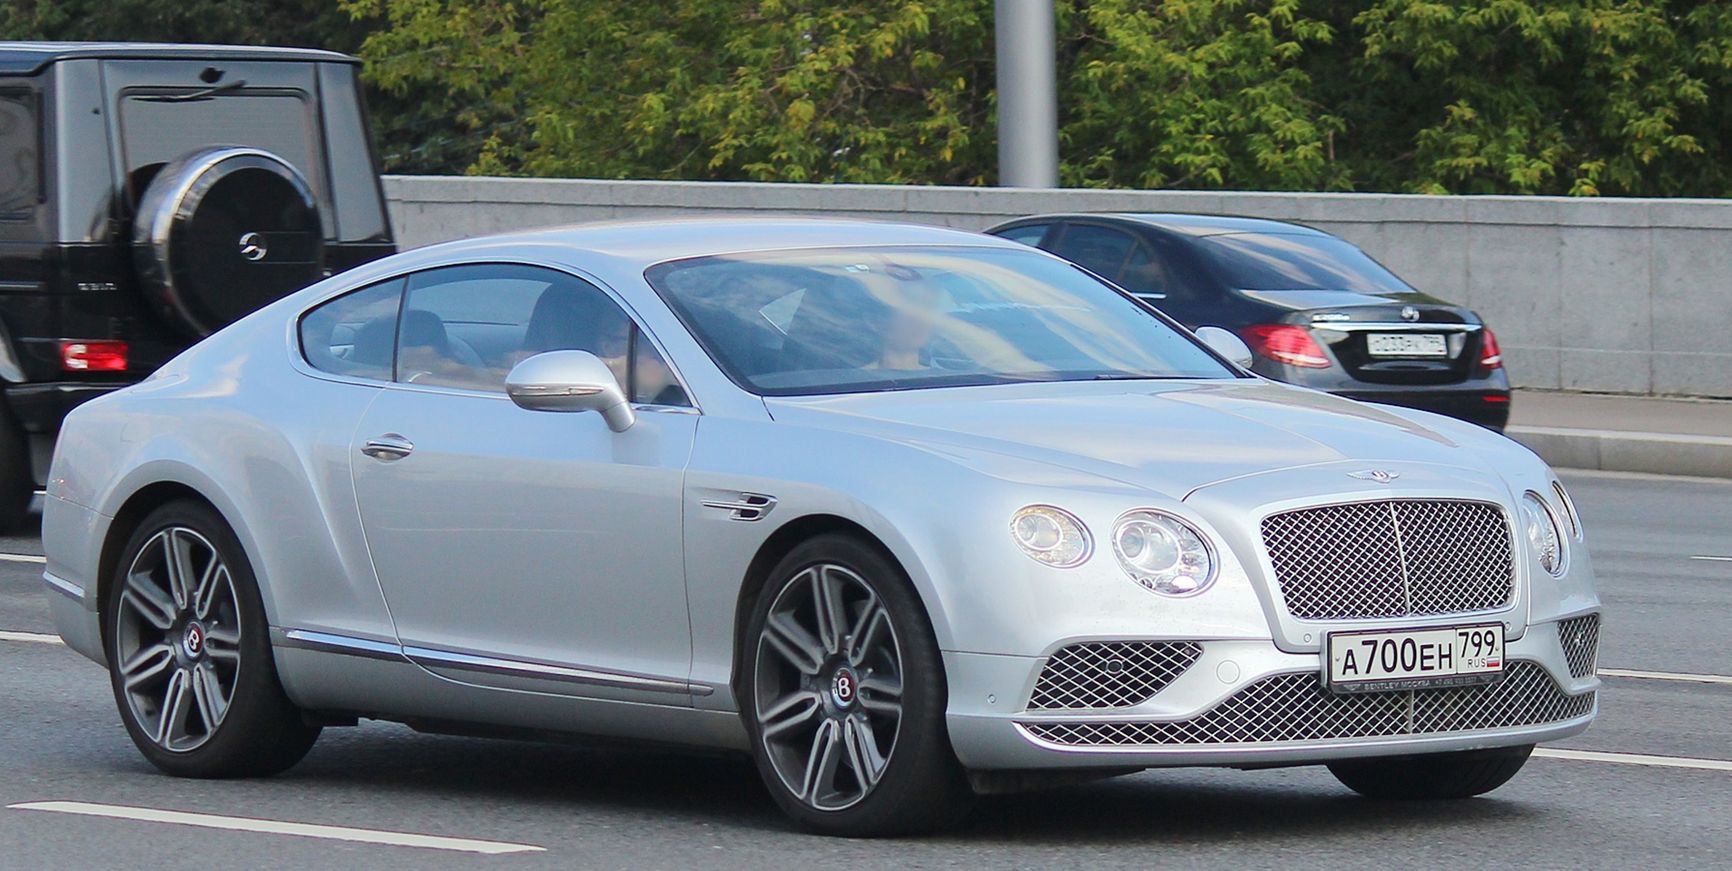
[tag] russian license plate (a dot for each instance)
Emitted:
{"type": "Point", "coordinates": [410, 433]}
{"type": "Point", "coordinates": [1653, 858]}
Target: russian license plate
{"type": "Point", "coordinates": [1405, 345]}
{"type": "Point", "coordinates": [1405, 659]}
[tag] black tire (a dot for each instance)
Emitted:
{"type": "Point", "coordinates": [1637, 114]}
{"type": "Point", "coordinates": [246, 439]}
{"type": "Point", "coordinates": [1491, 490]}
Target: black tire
{"type": "Point", "coordinates": [260, 732]}
{"type": "Point", "coordinates": [1434, 776]}
{"type": "Point", "coordinates": [222, 232]}
{"type": "Point", "coordinates": [922, 787]}
{"type": "Point", "coordinates": [17, 477]}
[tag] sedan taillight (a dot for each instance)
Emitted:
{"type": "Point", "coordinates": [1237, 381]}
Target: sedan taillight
{"type": "Point", "coordinates": [1286, 343]}
{"type": "Point", "coordinates": [1490, 355]}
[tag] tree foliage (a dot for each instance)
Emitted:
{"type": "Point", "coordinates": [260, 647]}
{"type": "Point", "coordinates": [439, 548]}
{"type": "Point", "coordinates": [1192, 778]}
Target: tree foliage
{"type": "Point", "coordinates": [1616, 97]}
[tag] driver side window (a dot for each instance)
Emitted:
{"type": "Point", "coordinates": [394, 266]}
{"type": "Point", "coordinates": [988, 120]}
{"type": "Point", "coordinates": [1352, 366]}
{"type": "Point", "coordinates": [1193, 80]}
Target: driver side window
{"type": "Point", "coordinates": [467, 326]}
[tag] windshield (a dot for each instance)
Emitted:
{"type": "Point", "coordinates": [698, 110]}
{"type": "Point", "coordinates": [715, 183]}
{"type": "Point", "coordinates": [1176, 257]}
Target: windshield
{"type": "Point", "coordinates": [863, 319]}
{"type": "Point", "coordinates": [1274, 261]}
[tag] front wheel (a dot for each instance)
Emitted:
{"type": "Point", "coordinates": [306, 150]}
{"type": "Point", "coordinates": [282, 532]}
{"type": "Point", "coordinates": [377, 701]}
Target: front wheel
{"type": "Point", "coordinates": [843, 694]}
{"type": "Point", "coordinates": [189, 652]}
{"type": "Point", "coordinates": [1433, 776]}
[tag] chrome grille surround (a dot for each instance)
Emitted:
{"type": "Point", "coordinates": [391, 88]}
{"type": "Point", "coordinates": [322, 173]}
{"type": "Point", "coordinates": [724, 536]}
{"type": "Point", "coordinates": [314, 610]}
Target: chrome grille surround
{"type": "Point", "coordinates": [1391, 558]}
{"type": "Point", "coordinates": [1580, 637]}
{"type": "Point", "coordinates": [1296, 707]}
{"type": "Point", "coordinates": [1110, 674]}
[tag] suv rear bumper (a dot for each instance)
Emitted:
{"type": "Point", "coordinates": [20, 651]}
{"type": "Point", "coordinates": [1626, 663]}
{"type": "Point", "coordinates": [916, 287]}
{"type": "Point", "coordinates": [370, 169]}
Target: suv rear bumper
{"type": "Point", "coordinates": [39, 408]}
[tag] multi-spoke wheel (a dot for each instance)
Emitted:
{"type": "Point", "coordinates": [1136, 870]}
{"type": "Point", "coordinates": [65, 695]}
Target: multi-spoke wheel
{"type": "Point", "coordinates": [843, 692]}
{"type": "Point", "coordinates": [188, 655]}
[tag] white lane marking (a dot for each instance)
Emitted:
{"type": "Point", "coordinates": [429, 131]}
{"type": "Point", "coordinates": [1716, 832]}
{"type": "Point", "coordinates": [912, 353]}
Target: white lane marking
{"type": "Point", "coordinates": [23, 558]}
{"type": "Point", "coordinates": [1713, 559]}
{"type": "Point", "coordinates": [1635, 759]}
{"type": "Point", "coordinates": [31, 637]}
{"type": "Point", "coordinates": [1666, 675]}
{"type": "Point", "coordinates": [275, 827]}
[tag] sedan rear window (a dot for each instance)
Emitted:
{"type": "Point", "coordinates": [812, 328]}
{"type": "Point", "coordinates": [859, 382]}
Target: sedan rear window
{"type": "Point", "coordinates": [1280, 261]}
{"type": "Point", "coordinates": [864, 319]}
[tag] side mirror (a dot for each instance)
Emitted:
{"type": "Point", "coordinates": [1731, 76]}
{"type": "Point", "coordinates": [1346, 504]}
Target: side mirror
{"type": "Point", "coordinates": [1223, 342]}
{"type": "Point", "coordinates": [570, 381]}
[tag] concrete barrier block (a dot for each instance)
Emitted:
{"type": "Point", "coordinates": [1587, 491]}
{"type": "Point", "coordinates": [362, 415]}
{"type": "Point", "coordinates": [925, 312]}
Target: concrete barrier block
{"type": "Point", "coordinates": [1605, 371]}
{"type": "Point", "coordinates": [1539, 368]}
{"type": "Point", "coordinates": [1692, 374]}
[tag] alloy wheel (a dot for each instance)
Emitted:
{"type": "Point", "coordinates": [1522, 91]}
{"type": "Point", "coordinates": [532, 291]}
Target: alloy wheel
{"type": "Point", "coordinates": [177, 639]}
{"type": "Point", "coordinates": [828, 687]}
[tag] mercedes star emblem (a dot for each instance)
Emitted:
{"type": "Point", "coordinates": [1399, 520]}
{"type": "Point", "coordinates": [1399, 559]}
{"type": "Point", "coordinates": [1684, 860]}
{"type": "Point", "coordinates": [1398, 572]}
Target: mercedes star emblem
{"type": "Point", "coordinates": [253, 247]}
{"type": "Point", "coordinates": [1409, 313]}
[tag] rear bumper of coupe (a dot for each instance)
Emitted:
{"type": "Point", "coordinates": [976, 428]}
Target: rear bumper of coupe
{"type": "Point", "coordinates": [1244, 703]}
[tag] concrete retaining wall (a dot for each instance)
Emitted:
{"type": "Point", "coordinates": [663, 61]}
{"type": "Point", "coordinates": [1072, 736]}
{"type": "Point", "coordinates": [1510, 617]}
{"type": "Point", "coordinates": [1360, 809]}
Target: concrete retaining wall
{"type": "Point", "coordinates": [1624, 296]}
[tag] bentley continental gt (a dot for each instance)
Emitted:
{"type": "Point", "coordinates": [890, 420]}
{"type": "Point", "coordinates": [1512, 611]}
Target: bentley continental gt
{"type": "Point", "coordinates": [906, 514]}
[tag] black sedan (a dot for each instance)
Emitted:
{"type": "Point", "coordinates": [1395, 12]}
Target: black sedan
{"type": "Point", "coordinates": [1315, 310]}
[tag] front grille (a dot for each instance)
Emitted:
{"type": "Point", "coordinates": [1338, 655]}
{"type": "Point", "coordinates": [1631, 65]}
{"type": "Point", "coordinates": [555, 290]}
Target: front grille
{"type": "Point", "coordinates": [1111, 674]}
{"type": "Point", "coordinates": [1391, 558]}
{"type": "Point", "coordinates": [1296, 707]}
{"type": "Point", "coordinates": [1580, 637]}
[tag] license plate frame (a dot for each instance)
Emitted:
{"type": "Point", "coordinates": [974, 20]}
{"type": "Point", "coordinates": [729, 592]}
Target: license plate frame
{"type": "Point", "coordinates": [1476, 654]}
{"type": "Point", "coordinates": [1423, 346]}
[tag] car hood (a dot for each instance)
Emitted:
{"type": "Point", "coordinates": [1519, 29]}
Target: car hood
{"type": "Point", "coordinates": [1171, 437]}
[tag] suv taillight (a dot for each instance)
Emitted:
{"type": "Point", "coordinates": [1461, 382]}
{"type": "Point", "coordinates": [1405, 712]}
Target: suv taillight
{"type": "Point", "coordinates": [92, 356]}
{"type": "Point", "coordinates": [1286, 343]}
{"type": "Point", "coordinates": [1490, 355]}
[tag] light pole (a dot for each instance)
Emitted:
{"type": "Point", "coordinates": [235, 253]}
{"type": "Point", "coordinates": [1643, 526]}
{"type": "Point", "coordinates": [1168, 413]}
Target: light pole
{"type": "Point", "coordinates": [1027, 93]}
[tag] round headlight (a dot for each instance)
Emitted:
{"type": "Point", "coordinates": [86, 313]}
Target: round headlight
{"type": "Point", "coordinates": [1051, 535]}
{"type": "Point", "coordinates": [1163, 553]}
{"type": "Point", "coordinates": [1543, 534]}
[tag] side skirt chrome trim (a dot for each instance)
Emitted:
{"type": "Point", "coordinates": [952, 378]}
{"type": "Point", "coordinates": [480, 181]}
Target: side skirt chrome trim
{"type": "Point", "coordinates": [517, 668]}
{"type": "Point", "coordinates": [325, 642]}
{"type": "Point", "coordinates": [428, 657]}
{"type": "Point", "coordinates": [63, 586]}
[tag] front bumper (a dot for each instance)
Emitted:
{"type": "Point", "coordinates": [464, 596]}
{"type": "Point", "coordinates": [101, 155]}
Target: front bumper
{"type": "Point", "coordinates": [1245, 703]}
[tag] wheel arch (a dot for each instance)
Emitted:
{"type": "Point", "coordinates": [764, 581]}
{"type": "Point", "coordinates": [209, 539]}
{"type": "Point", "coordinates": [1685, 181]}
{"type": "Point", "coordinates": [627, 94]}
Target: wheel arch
{"type": "Point", "coordinates": [789, 536]}
{"type": "Point", "coordinates": [131, 512]}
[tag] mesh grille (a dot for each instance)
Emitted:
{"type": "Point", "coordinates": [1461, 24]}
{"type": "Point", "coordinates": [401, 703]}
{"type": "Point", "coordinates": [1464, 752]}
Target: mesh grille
{"type": "Point", "coordinates": [1111, 674]}
{"type": "Point", "coordinates": [1580, 637]}
{"type": "Point", "coordinates": [1296, 707]}
{"type": "Point", "coordinates": [1391, 558]}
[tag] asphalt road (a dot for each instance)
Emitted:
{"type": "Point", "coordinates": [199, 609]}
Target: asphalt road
{"type": "Point", "coordinates": [60, 740]}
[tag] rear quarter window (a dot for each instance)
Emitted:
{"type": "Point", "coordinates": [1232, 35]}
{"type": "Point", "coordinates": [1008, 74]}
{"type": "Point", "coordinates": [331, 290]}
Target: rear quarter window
{"type": "Point", "coordinates": [20, 155]}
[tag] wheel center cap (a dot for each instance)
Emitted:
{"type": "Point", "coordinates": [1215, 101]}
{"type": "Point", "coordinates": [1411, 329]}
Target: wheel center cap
{"type": "Point", "coordinates": [844, 687]}
{"type": "Point", "coordinates": [193, 641]}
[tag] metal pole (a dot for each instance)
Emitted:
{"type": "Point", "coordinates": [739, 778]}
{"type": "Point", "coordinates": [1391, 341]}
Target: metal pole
{"type": "Point", "coordinates": [1027, 93]}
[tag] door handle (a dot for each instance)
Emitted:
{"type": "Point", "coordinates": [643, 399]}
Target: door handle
{"type": "Point", "coordinates": [388, 447]}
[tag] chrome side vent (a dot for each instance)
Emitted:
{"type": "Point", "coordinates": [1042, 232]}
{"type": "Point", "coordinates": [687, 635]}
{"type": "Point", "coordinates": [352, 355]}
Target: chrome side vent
{"type": "Point", "coordinates": [747, 506]}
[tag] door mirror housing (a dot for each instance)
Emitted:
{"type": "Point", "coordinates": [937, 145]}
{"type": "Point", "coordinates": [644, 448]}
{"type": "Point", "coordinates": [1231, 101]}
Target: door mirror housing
{"type": "Point", "coordinates": [1224, 342]}
{"type": "Point", "coordinates": [570, 381]}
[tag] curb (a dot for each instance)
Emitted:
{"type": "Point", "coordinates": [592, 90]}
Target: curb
{"type": "Point", "coordinates": [1620, 451]}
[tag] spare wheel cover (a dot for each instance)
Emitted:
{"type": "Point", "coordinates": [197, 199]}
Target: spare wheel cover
{"type": "Point", "coordinates": [224, 231]}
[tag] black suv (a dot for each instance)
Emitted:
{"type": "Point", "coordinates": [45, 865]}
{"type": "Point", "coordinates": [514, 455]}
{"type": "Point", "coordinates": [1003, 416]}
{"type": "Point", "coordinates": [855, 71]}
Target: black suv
{"type": "Point", "coordinates": [150, 195]}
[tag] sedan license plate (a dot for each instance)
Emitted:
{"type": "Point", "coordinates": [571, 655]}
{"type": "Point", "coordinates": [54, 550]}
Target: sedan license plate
{"type": "Point", "coordinates": [1405, 659]}
{"type": "Point", "coordinates": [1406, 345]}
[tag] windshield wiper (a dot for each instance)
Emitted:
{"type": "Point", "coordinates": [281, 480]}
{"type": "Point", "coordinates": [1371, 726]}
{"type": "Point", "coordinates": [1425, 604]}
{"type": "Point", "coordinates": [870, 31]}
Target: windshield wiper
{"type": "Point", "coordinates": [196, 96]}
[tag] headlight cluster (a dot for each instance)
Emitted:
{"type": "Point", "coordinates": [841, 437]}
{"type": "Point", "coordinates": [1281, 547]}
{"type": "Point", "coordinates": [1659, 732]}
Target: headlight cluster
{"type": "Point", "coordinates": [1051, 535]}
{"type": "Point", "coordinates": [1163, 553]}
{"type": "Point", "coordinates": [1160, 551]}
{"type": "Point", "coordinates": [1544, 535]}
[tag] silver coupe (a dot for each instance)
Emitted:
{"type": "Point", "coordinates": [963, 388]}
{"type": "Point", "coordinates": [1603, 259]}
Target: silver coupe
{"type": "Point", "coordinates": [906, 514]}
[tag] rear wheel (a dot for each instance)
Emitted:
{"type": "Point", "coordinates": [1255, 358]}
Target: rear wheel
{"type": "Point", "coordinates": [1432, 776]}
{"type": "Point", "coordinates": [843, 694]}
{"type": "Point", "coordinates": [189, 652]}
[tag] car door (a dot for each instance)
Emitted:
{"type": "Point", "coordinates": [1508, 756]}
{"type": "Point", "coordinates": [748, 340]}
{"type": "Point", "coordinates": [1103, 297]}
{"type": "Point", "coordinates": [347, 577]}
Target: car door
{"type": "Point", "coordinates": [526, 549]}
